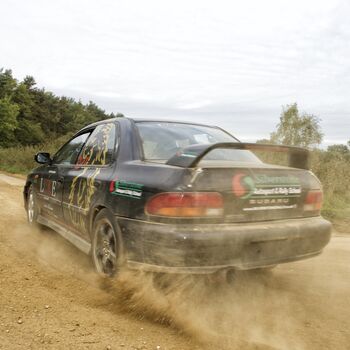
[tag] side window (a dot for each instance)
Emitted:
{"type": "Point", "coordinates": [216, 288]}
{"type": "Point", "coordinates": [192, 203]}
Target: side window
{"type": "Point", "coordinates": [99, 148]}
{"type": "Point", "coordinates": [69, 152]}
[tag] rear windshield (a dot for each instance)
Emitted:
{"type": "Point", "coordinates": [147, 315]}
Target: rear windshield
{"type": "Point", "coordinates": [161, 141]}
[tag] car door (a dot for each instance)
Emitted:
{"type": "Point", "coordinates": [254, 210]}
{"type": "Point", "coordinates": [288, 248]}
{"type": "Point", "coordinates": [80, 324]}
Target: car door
{"type": "Point", "coordinates": [53, 184]}
{"type": "Point", "coordinates": [45, 186]}
{"type": "Point", "coordinates": [84, 181]}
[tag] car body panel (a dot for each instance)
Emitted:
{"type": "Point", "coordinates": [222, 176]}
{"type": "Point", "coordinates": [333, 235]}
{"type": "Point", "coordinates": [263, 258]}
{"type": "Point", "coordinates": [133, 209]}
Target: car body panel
{"type": "Point", "coordinates": [207, 248]}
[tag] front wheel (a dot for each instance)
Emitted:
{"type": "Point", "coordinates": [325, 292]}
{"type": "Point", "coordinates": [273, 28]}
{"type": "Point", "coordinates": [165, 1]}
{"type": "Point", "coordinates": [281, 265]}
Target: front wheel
{"type": "Point", "coordinates": [32, 207]}
{"type": "Point", "coordinates": [106, 245]}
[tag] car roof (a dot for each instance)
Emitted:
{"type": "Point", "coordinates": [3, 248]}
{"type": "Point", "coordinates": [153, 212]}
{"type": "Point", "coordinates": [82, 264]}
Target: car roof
{"type": "Point", "coordinates": [140, 120]}
{"type": "Point", "coordinates": [149, 120]}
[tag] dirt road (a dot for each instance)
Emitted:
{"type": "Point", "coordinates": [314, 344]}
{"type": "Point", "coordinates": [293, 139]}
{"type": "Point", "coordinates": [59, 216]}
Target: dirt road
{"type": "Point", "coordinates": [50, 299]}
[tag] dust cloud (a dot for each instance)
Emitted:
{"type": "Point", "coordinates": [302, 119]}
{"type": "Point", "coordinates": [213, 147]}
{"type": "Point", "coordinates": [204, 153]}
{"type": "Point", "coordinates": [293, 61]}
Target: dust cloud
{"type": "Point", "coordinates": [252, 312]}
{"type": "Point", "coordinates": [53, 251]}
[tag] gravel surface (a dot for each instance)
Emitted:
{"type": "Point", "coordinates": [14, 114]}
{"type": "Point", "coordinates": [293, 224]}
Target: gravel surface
{"type": "Point", "coordinates": [51, 299]}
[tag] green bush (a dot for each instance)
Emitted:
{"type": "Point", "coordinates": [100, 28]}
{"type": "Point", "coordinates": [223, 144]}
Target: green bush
{"type": "Point", "coordinates": [333, 170]}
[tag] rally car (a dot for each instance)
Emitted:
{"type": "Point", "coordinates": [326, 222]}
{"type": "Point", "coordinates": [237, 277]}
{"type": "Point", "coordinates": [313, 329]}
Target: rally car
{"type": "Point", "coordinates": [176, 197]}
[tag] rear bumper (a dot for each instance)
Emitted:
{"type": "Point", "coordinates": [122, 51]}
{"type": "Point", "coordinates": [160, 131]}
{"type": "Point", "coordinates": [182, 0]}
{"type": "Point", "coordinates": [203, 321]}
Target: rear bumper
{"type": "Point", "coordinates": [208, 248]}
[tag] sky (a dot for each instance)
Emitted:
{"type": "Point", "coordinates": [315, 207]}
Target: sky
{"type": "Point", "coordinates": [228, 63]}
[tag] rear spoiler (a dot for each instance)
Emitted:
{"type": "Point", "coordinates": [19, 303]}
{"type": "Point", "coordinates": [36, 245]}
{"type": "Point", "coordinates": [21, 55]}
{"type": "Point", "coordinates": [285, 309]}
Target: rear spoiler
{"type": "Point", "coordinates": [190, 156]}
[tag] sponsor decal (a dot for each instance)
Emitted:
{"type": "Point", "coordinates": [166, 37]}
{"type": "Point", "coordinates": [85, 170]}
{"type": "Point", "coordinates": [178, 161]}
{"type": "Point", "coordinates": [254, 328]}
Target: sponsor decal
{"type": "Point", "coordinates": [271, 207]}
{"type": "Point", "coordinates": [277, 190]}
{"type": "Point", "coordinates": [242, 185]}
{"type": "Point", "coordinates": [263, 191]}
{"type": "Point", "coordinates": [42, 187]}
{"type": "Point", "coordinates": [53, 189]}
{"type": "Point", "coordinates": [47, 187]}
{"type": "Point", "coordinates": [276, 180]}
{"type": "Point", "coordinates": [269, 201]}
{"type": "Point", "coordinates": [127, 189]}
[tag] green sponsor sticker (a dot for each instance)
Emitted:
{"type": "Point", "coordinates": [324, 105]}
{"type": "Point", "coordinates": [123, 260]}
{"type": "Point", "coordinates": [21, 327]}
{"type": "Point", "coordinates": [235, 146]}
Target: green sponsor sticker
{"type": "Point", "coordinates": [128, 189]}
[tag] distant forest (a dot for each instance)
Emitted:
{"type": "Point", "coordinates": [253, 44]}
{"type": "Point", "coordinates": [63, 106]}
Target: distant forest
{"type": "Point", "coordinates": [30, 115]}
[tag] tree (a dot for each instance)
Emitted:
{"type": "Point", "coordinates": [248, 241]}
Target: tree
{"type": "Point", "coordinates": [342, 149]}
{"type": "Point", "coordinates": [339, 152]}
{"type": "Point", "coordinates": [29, 133]}
{"type": "Point", "coordinates": [264, 141]}
{"type": "Point", "coordinates": [7, 83]}
{"type": "Point", "coordinates": [29, 81]}
{"type": "Point", "coordinates": [118, 115]}
{"type": "Point", "coordinates": [8, 121]}
{"type": "Point", "coordinates": [297, 129]}
{"type": "Point", "coordinates": [30, 115]}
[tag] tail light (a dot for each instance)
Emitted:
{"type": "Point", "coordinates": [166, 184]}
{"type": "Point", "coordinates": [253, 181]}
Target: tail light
{"type": "Point", "coordinates": [188, 204]}
{"type": "Point", "coordinates": [313, 200]}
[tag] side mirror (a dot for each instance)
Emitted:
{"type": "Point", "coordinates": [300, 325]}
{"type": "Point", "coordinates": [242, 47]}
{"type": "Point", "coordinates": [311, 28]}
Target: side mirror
{"type": "Point", "coordinates": [42, 158]}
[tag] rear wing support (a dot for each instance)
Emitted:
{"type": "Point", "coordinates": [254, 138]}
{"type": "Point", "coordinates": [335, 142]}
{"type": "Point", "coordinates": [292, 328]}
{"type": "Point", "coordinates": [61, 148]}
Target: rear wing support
{"type": "Point", "coordinates": [190, 156]}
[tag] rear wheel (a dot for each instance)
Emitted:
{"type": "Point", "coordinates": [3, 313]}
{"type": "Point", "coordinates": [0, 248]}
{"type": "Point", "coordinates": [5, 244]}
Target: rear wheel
{"type": "Point", "coordinates": [106, 245]}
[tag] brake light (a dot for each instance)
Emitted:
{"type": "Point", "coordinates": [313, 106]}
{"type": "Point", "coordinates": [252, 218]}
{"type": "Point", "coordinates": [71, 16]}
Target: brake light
{"type": "Point", "coordinates": [313, 200]}
{"type": "Point", "coordinates": [186, 204]}
{"type": "Point", "coordinates": [112, 186]}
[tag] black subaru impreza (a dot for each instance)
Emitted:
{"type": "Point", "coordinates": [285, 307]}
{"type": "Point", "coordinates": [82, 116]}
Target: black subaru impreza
{"type": "Point", "coordinates": [176, 197]}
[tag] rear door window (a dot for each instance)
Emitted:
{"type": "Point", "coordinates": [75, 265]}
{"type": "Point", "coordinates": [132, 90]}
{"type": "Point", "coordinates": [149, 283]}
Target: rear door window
{"type": "Point", "coordinates": [99, 148]}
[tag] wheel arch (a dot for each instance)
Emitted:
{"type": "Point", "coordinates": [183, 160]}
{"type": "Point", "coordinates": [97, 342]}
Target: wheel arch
{"type": "Point", "coordinates": [94, 211]}
{"type": "Point", "coordinates": [25, 193]}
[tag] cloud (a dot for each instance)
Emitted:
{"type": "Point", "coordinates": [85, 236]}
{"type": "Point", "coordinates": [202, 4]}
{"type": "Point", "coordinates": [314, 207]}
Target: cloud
{"type": "Point", "coordinates": [230, 63]}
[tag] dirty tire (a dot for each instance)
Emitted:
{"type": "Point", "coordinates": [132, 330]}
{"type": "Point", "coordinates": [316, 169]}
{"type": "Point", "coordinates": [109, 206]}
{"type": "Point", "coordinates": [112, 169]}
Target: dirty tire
{"type": "Point", "coordinates": [106, 250]}
{"type": "Point", "coordinates": [32, 208]}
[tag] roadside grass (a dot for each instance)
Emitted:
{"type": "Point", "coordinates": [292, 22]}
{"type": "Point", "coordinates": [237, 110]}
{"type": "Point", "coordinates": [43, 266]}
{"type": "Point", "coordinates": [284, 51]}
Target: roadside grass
{"type": "Point", "coordinates": [20, 160]}
{"type": "Point", "coordinates": [333, 170]}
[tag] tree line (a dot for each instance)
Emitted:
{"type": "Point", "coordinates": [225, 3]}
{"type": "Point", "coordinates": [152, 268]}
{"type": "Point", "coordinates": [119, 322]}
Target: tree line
{"type": "Point", "coordinates": [30, 115]}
